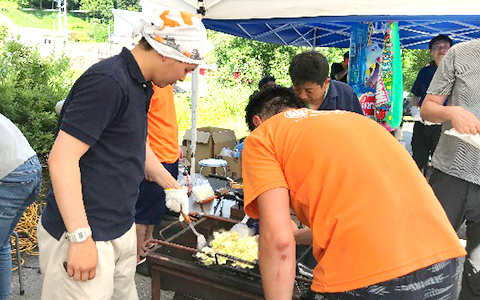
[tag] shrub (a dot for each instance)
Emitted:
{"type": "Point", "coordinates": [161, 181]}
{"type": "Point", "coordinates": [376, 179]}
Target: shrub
{"type": "Point", "coordinates": [30, 86]}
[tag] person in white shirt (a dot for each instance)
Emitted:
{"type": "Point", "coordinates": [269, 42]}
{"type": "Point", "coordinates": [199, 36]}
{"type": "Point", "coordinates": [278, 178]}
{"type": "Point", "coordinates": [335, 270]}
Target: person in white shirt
{"type": "Point", "coordinates": [20, 178]}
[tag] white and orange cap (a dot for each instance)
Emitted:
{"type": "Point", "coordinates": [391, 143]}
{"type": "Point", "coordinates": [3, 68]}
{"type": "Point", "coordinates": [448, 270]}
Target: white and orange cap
{"type": "Point", "coordinates": [176, 34]}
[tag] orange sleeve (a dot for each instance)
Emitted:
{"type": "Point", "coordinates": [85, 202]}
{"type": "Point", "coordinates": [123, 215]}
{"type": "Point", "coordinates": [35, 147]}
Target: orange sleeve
{"type": "Point", "coordinates": [262, 172]}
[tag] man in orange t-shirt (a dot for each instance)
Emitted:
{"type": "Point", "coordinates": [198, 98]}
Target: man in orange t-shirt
{"type": "Point", "coordinates": [163, 139]}
{"type": "Point", "coordinates": [373, 217]}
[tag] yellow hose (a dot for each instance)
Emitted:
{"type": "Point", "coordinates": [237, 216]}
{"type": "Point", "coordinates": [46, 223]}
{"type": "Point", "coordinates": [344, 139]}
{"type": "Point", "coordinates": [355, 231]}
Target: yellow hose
{"type": "Point", "coordinates": [27, 232]}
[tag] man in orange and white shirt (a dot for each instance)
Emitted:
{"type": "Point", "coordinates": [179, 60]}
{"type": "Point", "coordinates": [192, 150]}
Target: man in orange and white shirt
{"type": "Point", "coordinates": [163, 140]}
{"type": "Point", "coordinates": [377, 230]}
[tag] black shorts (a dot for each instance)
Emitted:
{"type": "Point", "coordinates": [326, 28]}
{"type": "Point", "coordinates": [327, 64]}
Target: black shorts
{"type": "Point", "coordinates": [150, 205]}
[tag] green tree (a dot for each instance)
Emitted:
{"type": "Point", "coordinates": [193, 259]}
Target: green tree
{"type": "Point", "coordinates": [412, 61]}
{"type": "Point", "coordinates": [99, 9]}
{"type": "Point", "coordinates": [133, 5]}
{"type": "Point", "coordinates": [46, 4]}
{"type": "Point", "coordinates": [30, 86]}
{"type": "Point", "coordinates": [245, 61]}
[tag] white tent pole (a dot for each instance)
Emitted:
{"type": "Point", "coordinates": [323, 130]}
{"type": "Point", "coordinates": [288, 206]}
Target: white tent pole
{"type": "Point", "coordinates": [193, 144]}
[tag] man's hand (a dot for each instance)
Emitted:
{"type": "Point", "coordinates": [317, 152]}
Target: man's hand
{"type": "Point", "coordinates": [82, 260]}
{"type": "Point", "coordinates": [177, 200]}
{"type": "Point", "coordinates": [149, 178]}
{"type": "Point", "coordinates": [155, 171]}
{"type": "Point", "coordinates": [464, 121]}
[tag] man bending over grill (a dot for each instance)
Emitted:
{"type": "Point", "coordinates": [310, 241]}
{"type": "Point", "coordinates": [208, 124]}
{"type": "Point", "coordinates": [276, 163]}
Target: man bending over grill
{"type": "Point", "coordinates": [378, 231]}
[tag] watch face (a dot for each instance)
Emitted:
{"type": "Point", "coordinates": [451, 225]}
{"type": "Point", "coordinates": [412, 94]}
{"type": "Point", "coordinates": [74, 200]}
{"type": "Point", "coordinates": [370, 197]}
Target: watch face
{"type": "Point", "coordinates": [79, 235]}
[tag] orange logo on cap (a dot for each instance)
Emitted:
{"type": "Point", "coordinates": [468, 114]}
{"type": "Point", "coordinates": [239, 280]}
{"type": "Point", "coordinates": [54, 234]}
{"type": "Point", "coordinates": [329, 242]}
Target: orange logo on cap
{"type": "Point", "coordinates": [187, 17]}
{"type": "Point", "coordinates": [159, 39]}
{"type": "Point", "coordinates": [166, 21]}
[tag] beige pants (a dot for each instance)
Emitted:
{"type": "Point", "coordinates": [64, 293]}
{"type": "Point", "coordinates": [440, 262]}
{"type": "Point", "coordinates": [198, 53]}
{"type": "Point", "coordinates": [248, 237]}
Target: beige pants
{"type": "Point", "coordinates": [115, 278]}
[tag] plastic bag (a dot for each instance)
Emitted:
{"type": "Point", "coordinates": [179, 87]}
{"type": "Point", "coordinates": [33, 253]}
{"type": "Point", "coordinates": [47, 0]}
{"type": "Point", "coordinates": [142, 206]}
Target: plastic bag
{"type": "Point", "coordinates": [202, 189]}
{"type": "Point", "coordinates": [226, 152]}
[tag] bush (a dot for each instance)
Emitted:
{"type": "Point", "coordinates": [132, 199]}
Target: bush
{"type": "Point", "coordinates": [30, 86]}
{"type": "Point", "coordinates": [222, 106]}
{"type": "Point", "coordinates": [98, 31]}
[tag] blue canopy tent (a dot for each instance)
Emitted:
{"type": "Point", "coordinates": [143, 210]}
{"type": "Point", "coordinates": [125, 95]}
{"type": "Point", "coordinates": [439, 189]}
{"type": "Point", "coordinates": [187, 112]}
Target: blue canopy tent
{"type": "Point", "coordinates": [316, 23]}
{"type": "Point", "coordinates": [320, 23]}
{"type": "Point", "coordinates": [415, 31]}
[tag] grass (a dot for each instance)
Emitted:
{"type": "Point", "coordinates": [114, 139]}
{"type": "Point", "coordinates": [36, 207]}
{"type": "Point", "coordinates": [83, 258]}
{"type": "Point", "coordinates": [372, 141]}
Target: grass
{"type": "Point", "coordinates": [221, 107]}
{"type": "Point", "coordinates": [44, 19]}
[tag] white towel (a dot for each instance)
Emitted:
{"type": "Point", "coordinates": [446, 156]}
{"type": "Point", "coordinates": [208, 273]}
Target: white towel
{"type": "Point", "coordinates": [175, 34]}
{"type": "Point", "coordinates": [473, 139]}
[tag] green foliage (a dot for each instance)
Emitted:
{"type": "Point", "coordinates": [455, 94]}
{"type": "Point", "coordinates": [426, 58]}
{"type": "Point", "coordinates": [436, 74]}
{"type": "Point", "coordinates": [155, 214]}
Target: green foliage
{"type": "Point", "coordinates": [99, 9]}
{"type": "Point", "coordinates": [132, 5]}
{"type": "Point", "coordinates": [250, 60]}
{"type": "Point", "coordinates": [30, 86]}
{"type": "Point", "coordinates": [222, 106]}
{"type": "Point", "coordinates": [46, 20]}
{"type": "Point", "coordinates": [412, 62]}
{"type": "Point", "coordinates": [98, 30]}
{"type": "Point", "coordinates": [44, 4]}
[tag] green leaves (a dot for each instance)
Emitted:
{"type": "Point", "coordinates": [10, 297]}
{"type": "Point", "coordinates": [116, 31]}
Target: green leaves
{"type": "Point", "coordinates": [30, 86]}
{"type": "Point", "coordinates": [412, 62]}
{"type": "Point", "coordinates": [100, 9]}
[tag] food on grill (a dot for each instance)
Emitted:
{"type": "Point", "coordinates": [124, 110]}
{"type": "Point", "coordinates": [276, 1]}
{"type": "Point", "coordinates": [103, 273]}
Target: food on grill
{"type": "Point", "coordinates": [230, 243]}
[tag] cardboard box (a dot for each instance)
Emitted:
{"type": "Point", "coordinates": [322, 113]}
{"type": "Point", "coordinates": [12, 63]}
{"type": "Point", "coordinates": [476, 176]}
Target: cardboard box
{"type": "Point", "coordinates": [186, 161]}
{"type": "Point", "coordinates": [210, 141]}
{"type": "Point", "coordinates": [234, 167]}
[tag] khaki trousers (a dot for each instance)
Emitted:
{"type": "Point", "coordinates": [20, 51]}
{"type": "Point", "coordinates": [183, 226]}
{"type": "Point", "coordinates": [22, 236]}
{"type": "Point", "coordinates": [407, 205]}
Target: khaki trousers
{"type": "Point", "coordinates": [115, 276]}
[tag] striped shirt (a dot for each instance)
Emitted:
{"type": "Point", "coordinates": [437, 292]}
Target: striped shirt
{"type": "Point", "coordinates": [458, 76]}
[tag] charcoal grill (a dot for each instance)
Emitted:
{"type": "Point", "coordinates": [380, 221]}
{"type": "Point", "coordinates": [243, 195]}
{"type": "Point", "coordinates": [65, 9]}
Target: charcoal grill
{"type": "Point", "coordinates": [173, 267]}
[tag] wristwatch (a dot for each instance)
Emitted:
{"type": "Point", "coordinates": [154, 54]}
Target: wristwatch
{"type": "Point", "coordinates": [79, 235]}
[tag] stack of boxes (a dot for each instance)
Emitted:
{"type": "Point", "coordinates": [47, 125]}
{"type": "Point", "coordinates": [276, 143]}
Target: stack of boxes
{"type": "Point", "coordinates": [210, 142]}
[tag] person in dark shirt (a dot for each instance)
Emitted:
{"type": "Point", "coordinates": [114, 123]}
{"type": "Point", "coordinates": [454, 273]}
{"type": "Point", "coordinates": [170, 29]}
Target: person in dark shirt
{"type": "Point", "coordinates": [87, 236]}
{"type": "Point", "coordinates": [340, 70]}
{"type": "Point", "coordinates": [425, 136]}
{"type": "Point", "coordinates": [309, 74]}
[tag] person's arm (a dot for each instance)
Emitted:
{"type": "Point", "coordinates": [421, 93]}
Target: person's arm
{"type": "Point", "coordinates": [155, 171]}
{"type": "Point", "coordinates": [440, 88]}
{"type": "Point", "coordinates": [341, 73]}
{"type": "Point", "coordinates": [65, 175]}
{"type": "Point", "coordinates": [276, 244]}
{"type": "Point", "coordinates": [303, 236]}
{"type": "Point", "coordinates": [462, 120]}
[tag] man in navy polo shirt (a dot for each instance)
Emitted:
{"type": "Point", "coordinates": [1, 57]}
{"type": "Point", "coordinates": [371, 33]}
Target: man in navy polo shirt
{"type": "Point", "coordinates": [87, 234]}
{"type": "Point", "coordinates": [425, 136]}
{"type": "Point", "coordinates": [309, 74]}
